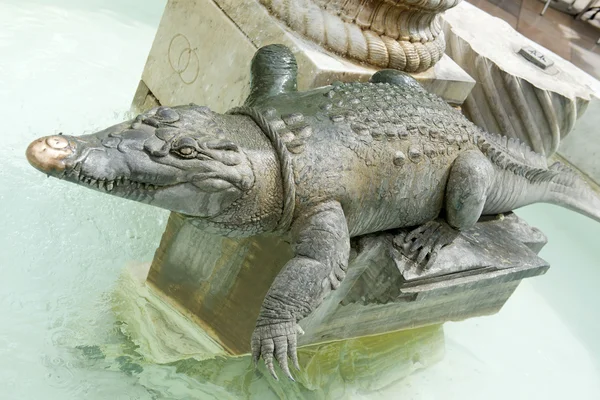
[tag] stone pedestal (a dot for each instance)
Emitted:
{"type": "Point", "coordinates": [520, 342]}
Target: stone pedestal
{"type": "Point", "coordinates": [202, 54]}
{"type": "Point", "coordinates": [203, 293]}
{"type": "Point", "coordinates": [514, 96]}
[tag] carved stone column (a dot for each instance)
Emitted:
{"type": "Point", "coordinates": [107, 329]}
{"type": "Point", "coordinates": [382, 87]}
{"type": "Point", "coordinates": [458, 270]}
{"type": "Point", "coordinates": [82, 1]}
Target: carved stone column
{"type": "Point", "coordinates": [523, 90]}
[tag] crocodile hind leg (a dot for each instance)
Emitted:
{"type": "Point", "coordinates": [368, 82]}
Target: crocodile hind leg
{"type": "Point", "coordinates": [470, 178]}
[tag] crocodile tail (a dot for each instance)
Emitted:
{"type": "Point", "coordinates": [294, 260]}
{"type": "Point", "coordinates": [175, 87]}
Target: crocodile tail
{"type": "Point", "coordinates": [569, 190]}
{"type": "Point", "coordinates": [273, 71]}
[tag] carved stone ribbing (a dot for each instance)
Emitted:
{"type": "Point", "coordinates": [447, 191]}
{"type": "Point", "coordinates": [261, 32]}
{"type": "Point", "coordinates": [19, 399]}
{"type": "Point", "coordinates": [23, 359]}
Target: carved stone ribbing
{"type": "Point", "coordinates": [515, 96]}
{"type": "Point", "coordinates": [400, 34]}
{"type": "Point", "coordinates": [513, 106]}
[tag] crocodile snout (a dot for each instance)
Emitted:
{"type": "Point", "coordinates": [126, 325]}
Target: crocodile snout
{"type": "Point", "coordinates": [48, 153]}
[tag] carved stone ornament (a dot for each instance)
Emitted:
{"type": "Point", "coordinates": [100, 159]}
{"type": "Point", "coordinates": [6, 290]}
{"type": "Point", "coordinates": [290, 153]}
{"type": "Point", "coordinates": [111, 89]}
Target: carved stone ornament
{"type": "Point", "coordinates": [523, 91]}
{"type": "Point", "coordinates": [400, 34]}
{"type": "Point", "coordinates": [316, 168]}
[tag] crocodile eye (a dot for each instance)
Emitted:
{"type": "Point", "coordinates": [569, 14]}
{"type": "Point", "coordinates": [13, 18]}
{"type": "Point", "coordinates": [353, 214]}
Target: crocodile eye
{"type": "Point", "coordinates": [186, 147]}
{"type": "Point", "coordinates": [186, 151]}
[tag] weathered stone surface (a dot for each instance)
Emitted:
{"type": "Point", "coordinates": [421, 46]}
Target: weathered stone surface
{"type": "Point", "coordinates": [143, 99]}
{"type": "Point", "coordinates": [513, 96]}
{"type": "Point", "coordinates": [163, 331]}
{"type": "Point", "coordinates": [203, 48]}
{"type": "Point", "coordinates": [198, 281]}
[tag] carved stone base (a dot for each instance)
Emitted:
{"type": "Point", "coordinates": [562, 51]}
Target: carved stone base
{"type": "Point", "coordinates": [219, 284]}
{"type": "Point", "coordinates": [203, 48]}
{"type": "Point", "coordinates": [513, 96]}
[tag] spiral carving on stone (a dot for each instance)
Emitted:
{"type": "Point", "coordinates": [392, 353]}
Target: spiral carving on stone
{"type": "Point", "coordinates": [512, 106]}
{"type": "Point", "coordinates": [401, 34]}
{"type": "Point", "coordinates": [523, 90]}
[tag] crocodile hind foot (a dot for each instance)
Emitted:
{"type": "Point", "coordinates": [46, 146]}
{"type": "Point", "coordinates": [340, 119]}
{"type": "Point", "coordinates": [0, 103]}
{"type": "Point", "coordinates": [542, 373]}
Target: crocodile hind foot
{"type": "Point", "coordinates": [423, 244]}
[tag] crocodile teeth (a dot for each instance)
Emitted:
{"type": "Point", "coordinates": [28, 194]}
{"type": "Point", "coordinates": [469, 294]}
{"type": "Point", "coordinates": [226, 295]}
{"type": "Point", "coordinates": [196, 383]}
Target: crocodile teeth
{"type": "Point", "coordinates": [93, 182]}
{"type": "Point", "coordinates": [101, 185]}
{"type": "Point", "coordinates": [77, 170]}
{"type": "Point", "coordinates": [109, 186]}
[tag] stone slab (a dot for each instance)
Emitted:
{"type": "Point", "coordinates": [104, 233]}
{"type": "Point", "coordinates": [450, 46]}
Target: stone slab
{"type": "Point", "coordinates": [202, 54]}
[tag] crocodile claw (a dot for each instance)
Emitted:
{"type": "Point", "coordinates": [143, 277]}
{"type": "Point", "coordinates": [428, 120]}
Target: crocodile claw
{"type": "Point", "coordinates": [423, 243]}
{"type": "Point", "coordinates": [276, 341]}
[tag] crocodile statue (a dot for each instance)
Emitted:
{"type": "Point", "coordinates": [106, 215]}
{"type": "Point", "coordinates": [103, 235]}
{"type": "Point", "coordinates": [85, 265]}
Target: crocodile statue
{"type": "Point", "coordinates": [319, 166]}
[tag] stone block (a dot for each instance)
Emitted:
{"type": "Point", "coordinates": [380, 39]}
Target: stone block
{"type": "Point", "coordinates": [202, 54]}
{"type": "Point", "coordinates": [203, 293]}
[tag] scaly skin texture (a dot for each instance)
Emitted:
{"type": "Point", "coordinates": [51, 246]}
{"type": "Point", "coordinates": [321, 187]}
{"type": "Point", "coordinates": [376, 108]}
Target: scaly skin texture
{"type": "Point", "coordinates": [320, 166]}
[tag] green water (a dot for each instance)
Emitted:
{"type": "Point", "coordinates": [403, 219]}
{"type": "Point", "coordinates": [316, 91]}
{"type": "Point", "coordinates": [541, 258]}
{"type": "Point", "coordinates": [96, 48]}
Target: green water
{"type": "Point", "coordinates": [73, 66]}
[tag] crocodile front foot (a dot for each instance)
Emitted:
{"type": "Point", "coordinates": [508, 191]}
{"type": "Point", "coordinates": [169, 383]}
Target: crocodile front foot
{"type": "Point", "coordinates": [423, 244]}
{"type": "Point", "coordinates": [276, 340]}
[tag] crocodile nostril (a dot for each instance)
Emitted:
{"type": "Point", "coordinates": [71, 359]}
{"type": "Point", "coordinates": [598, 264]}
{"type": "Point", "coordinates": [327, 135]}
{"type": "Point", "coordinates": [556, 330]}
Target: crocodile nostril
{"type": "Point", "coordinates": [48, 153]}
{"type": "Point", "coordinates": [57, 142]}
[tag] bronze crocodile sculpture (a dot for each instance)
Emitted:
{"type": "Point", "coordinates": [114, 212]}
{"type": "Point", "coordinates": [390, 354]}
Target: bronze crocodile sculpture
{"type": "Point", "coordinates": [322, 166]}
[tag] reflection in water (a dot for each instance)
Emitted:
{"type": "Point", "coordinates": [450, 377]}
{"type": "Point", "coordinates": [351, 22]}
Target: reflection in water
{"type": "Point", "coordinates": [338, 370]}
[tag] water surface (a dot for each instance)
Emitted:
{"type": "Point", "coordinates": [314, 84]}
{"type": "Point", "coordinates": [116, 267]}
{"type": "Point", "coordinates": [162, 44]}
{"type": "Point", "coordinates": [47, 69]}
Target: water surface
{"type": "Point", "coordinates": [73, 66]}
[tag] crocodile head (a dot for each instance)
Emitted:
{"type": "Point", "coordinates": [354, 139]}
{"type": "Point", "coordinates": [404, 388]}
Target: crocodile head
{"type": "Point", "coordinates": [179, 158]}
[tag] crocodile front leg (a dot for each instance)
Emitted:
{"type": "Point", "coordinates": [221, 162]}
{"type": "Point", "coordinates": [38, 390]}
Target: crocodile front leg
{"type": "Point", "coordinates": [321, 245]}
